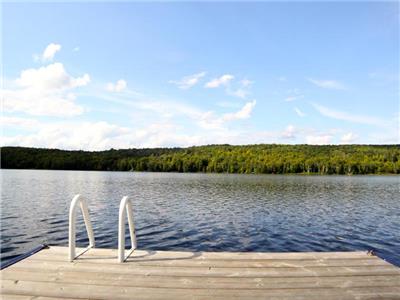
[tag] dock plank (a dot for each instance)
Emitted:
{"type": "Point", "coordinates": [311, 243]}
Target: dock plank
{"type": "Point", "coordinates": [201, 282]}
{"type": "Point", "coordinates": [216, 255]}
{"type": "Point", "coordinates": [129, 268]}
{"type": "Point", "coordinates": [30, 297]}
{"type": "Point", "coordinates": [221, 263]}
{"type": "Point", "coordinates": [51, 289]}
{"type": "Point", "coordinates": [200, 275]}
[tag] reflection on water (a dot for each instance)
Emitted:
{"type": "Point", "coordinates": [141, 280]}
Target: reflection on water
{"type": "Point", "coordinates": [206, 212]}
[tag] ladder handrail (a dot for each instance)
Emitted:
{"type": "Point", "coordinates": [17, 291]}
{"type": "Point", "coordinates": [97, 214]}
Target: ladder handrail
{"type": "Point", "coordinates": [125, 206]}
{"type": "Point", "coordinates": [78, 199]}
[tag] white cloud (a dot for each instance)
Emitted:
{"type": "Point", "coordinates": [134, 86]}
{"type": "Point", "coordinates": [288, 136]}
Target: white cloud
{"type": "Point", "coordinates": [50, 77]}
{"type": "Point", "coordinates": [327, 84]}
{"type": "Point", "coordinates": [282, 78]}
{"type": "Point", "coordinates": [76, 49]}
{"type": "Point", "coordinates": [289, 133]}
{"type": "Point", "coordinates": [323, 139]}
{"type": "Point", "coordinates": [17, 122]}
{"type": "Point", "coordinates": [73, 135]}
{"type": "Point", "coordinates": [306, 135]}
{"type": "Point", "coordinates": [246, 83]}
{"type": "Point", "coordinates": [40, 104]}
{"type": "Point", "coordinates": [51, 91]}
{"type": "Point", "coordinates": [242, 91]}
{"type": "Point", "coordinates": [210, 120]}
{"type": "Point", "coordinates": [117, 87]}
{"type": "Point", "coordinates": [44, 91]}
{"type": "Point", "coordinates": [211, 129]}
{"type": "Point", "coordinates": [48, 53]}
{"type": "Point", "coordinates": [188, 81]}
{"type": "Point", "coordinates": [148, 108]}
{"type": "Point", "coordinates": [299, 112]}
{"type": "Point", "coordinates": [390, 137]}
{"type": "Point", "coordinates": [221, 81]}
{"type": "Point", "coordinates": [348, 138]}
{"type": "Point", "coordinates": [103, 135]}
{"type": "Point", "coordinates": [244, 113]}
{"type": "Point", "coordinates": [345, 116]}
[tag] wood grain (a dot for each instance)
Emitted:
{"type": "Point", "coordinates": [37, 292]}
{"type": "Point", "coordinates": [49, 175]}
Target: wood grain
{"type": "Point", "coordinates": [200, 275]}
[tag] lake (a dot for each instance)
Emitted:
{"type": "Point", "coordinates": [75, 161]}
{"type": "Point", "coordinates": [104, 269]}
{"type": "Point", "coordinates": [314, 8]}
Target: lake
{"type": "Point", "coordinates": [206, 212]}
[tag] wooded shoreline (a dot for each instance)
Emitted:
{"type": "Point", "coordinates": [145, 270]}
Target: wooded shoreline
{"type": "Point", "coordinates": [248, 159]}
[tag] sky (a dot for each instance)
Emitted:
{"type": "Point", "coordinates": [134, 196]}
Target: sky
{"type": "Point", "coordinates": [96, 76]}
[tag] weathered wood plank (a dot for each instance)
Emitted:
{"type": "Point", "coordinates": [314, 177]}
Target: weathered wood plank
{"type": "Point", "coordinates": [125, 292]}
{"type": "Point", "coordinates": [201, 275]}
{"type": "Point", "coordinates": [27, 297]}
{"type": "Point", "coordinates": [200, 282]}
{"type": "Point", "coordinates": [217, 255]}
{"type": "Point", "coordinates": [223, 262]}
{"type": "Point", "coordinates": [129, 268]}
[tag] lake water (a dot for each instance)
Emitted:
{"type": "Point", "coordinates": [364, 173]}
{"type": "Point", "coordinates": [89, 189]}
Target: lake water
{"type": "Point", "coordinates": [206, 212]}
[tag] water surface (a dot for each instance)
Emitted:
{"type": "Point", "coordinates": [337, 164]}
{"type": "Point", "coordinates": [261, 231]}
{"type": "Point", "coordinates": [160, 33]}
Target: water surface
{"type": "Point", "coordinates": [206, 212]}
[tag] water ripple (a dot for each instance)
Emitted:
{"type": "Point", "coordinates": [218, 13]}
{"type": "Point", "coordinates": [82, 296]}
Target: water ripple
{"type": "Point", "coordinates": [206, 212]}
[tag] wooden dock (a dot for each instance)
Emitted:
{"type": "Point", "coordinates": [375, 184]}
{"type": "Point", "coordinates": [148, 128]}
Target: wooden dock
{"type": "Point", "coordinates": [200, 275]}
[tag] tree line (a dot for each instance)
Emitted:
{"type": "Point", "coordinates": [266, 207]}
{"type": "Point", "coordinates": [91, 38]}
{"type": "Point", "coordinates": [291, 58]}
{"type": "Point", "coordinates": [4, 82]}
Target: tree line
{"type": "Point", "coordinates": [248, 159]}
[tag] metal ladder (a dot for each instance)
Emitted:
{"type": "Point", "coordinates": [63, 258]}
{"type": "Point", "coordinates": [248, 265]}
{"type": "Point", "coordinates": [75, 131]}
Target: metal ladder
{"type": "Point", "coordinates": [125, 208]}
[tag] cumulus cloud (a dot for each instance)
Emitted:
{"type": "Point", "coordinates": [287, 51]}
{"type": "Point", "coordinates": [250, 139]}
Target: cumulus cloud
{"type": "Point", "coordinates": [40, 104]}
{"type": "Point", "coordinates": [20, 123]}
{"type": "Point", "coordinates": [48, 53]}
{"type": "Point", "coordinates": [188, 81]}
{"type": "Point", "coordinates": [221, 81]}
{"type": "Point", "coordinates": [322, 139]}
{"type": "Point", "coordinates": [289, 133]}
{"type": "Point", "coordinates": [327, 84]}
{"type": "Point", "coordinates": [51, 77]}
{"type": "Point", "coordinates": [104, 135]}
{"type": "Point", "coordinates": [46, 91]}
{"type": "Point", "coordinates": [117, 87]}
{"type": "Point", "coordinates": [211, 129]}
{"type": "Point", "coordinates": [348, 138]}
{"type": "Point", "coordinates": [243, 113]}
{"type": "Point", "coordinates": [210, 120]}
{"type": "Point", "coordinates": [73, 135]}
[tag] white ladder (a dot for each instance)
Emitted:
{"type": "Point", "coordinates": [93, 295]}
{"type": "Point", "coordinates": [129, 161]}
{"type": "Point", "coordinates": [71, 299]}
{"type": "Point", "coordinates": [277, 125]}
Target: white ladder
{"type": "Point", "coordinates": [125, 207]}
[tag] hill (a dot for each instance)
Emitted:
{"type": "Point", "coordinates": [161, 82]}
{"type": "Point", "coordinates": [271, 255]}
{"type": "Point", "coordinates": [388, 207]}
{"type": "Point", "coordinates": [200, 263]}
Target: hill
{"type": "Point", "coordinates": [259, 159]}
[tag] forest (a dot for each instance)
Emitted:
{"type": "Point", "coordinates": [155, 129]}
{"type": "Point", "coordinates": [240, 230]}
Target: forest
{"type": "Point", "coordinates": [248, 159]}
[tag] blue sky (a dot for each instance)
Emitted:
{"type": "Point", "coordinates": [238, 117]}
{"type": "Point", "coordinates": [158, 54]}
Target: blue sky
{"type": "Point", "coordinates": [116, 75]}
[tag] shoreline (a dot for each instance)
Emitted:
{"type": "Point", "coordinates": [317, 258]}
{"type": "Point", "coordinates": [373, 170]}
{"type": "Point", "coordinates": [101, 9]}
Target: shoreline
{"type": "Point", "coordinates": [213, 173]}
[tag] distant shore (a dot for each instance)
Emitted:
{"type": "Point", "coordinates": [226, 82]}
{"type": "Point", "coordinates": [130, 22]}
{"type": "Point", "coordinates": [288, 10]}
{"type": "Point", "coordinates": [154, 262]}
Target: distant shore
{"type": "Point", "coordinates": [247, 159]}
